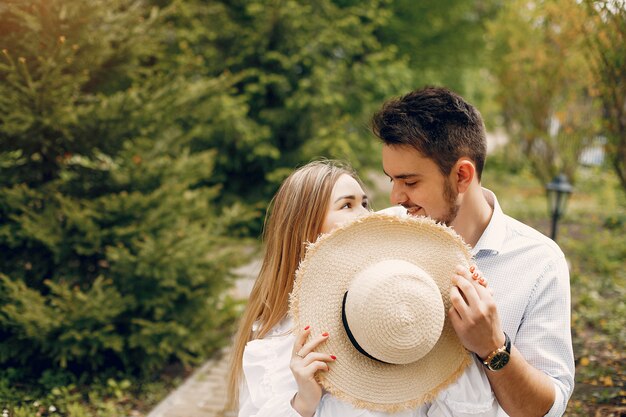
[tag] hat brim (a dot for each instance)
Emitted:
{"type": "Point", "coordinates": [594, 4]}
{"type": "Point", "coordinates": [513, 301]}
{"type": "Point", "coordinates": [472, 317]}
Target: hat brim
{"type": "Point", "coordinates": [324, 276]}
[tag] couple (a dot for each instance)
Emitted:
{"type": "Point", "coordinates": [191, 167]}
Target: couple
{"type": "Point", "coordinates": [518, 328]}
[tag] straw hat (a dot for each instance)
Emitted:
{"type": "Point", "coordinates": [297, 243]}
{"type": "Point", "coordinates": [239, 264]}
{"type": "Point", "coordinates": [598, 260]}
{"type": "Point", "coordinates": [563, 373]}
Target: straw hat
{"type": "Point", "coordinates": [380, 286]}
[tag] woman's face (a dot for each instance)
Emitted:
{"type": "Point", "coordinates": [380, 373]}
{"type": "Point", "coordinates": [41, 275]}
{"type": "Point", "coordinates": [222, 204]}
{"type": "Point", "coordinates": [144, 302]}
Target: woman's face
{"type": "Point", "coordinates": [347, 201]}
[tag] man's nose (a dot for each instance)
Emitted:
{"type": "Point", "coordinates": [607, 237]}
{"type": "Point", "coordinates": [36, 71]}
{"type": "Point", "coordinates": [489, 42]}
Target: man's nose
{"type": "Point", "coordinates": [397, 196]}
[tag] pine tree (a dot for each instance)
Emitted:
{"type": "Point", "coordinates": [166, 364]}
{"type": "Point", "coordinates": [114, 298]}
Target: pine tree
{"type": "Point", "coordinates": [308, 77]}
{"type": "Point", "coordinates": [113, 253]}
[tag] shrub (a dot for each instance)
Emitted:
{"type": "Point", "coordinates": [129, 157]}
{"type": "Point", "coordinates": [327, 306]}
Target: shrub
{"type": "Point", "coordinates": [113, 252]}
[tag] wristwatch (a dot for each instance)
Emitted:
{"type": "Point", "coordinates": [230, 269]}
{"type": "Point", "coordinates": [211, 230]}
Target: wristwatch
{"type": "Point", "coordinates": [499, 357]}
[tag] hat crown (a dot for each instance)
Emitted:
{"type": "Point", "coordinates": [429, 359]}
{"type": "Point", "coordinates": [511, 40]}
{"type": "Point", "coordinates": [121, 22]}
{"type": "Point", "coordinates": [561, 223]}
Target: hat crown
{"type": "Point", "coordinates": [394, 311]}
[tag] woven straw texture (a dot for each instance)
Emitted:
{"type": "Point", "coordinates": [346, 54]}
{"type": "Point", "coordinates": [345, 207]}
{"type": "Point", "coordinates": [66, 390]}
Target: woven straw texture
{"type": "Point", "coordinates": [330, 267]}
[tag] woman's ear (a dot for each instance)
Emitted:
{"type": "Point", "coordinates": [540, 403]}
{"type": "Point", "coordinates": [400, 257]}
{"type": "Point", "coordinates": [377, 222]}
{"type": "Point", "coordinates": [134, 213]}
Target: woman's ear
{"type": "Point", "coordinates": [464, 173]}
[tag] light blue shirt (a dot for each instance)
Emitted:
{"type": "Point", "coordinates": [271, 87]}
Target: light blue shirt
{"type": "Point", "coordinates": [530, 278]}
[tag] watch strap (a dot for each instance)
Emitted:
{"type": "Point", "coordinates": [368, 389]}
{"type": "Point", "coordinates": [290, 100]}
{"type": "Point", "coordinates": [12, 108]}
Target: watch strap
{"type": "Point", "coordinates": [506, 347]}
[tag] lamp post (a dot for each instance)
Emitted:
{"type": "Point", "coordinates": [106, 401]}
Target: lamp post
{"type": "Point", "coordinates": [558, 190]}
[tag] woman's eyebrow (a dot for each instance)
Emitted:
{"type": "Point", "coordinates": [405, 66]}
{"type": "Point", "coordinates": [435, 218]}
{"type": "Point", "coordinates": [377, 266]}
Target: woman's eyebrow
{"type": "Point", "coordinates": [349, 197]}
{"type": "Point", "coordinates": [345, 197]}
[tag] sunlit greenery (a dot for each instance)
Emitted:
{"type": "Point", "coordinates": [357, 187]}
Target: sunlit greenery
{"type": "Point", "coordinates": [141, 140]}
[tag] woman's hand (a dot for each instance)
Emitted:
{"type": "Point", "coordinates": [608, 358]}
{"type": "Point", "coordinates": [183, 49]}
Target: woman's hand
{"type": "Point", "coordinates": [305, 363]}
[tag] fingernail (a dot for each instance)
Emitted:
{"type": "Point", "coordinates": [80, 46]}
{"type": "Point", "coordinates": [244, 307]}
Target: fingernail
{"type": "Point", "coordinates": [325, 334]}
{"type": "Point", "coordinates": [333, 357]}
{"type": "Point", "coordinates": [475, 275]}
{"type": "Point", "coordinates": [307, 327]}
{"type": "Point", "coordinates": [472, 268]}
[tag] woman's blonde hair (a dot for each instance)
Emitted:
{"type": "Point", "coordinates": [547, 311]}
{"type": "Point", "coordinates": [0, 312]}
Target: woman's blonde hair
{"type": "Point", "coordinates": [295, 216]}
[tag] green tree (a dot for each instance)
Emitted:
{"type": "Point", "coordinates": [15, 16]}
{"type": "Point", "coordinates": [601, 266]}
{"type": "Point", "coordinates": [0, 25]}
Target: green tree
{"type": "Point", "coordinates": [605, 31]}
{"type": "Point", "coordinates": [445, 43]}
{"type": "Point", "coordinates": [544, 87]}
{"type": "Point", "coordinates": [309, 75]}
{"type": "Point", "coordinates": [113, 252]}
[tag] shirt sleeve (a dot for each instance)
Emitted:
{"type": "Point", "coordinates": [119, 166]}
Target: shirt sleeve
{"type": "Point", "coordinates": [268, 384]}
{"type": "Point", "coordinates": [544, 337]}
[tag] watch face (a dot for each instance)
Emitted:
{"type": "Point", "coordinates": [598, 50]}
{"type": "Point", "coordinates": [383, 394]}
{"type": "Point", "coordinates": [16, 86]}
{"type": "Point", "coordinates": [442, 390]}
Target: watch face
{"type": "Point", "coordinates": [499, 361]}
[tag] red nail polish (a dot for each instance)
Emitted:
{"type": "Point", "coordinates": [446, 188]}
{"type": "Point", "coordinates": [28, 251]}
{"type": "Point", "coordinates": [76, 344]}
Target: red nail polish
{"type": "Point", "coordinates": [307, 327]}
{"type": "Point", "coordinates": [325, 334]}
{"type": "Point", "coordinates": [333, 357]}
{"type": "Point", "coordinates": [472, 268]}
{"type": "Point", "coordinates": [475, 275]}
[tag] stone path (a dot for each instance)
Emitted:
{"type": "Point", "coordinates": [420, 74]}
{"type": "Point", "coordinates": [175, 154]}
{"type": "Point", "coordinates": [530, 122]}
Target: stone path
{"type": "Point", "coordinates": [203, 394]}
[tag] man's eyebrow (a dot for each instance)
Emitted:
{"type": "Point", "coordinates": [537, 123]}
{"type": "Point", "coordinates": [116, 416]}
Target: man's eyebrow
{"type": "Point", "coordinates": [402, 176]}
{"type": "Point", "coordinates": [349, 197]}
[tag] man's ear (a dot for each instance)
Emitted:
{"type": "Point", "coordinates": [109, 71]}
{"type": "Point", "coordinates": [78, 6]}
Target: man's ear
{"type": "Point", "coordinates": [464, 172]}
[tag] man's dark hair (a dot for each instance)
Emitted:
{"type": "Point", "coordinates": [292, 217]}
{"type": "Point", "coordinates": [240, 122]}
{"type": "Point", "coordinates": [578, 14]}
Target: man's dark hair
{"type": "Point", "coordinates": [438, 123]}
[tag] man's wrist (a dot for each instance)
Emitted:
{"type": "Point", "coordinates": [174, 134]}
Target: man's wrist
{"type": "Point", "coordinates": [500, 357]}
{"type": "Point", "coordinates": [498, 342]}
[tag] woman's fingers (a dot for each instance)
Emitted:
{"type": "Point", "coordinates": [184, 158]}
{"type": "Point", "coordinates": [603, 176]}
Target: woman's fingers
{"type": "Point", "coordinates": [480, 283]}
{"type": "Point", "coordinates": [318, 357]}
{"type": "Point", "coordinates": [301, 339]}
{"type": "Point", "coordinates": [317, 366]}
{"type": "Point", "coordinates": [306, 361]}
{"type": "Point", "coordinates": [477, 276]}
{"type": "Point", "coordinates": [311, 345]}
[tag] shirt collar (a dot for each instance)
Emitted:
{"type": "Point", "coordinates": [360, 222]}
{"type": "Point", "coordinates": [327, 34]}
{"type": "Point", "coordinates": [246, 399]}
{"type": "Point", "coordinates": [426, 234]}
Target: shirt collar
{"type": "Point", "coordinates": [493, 237]}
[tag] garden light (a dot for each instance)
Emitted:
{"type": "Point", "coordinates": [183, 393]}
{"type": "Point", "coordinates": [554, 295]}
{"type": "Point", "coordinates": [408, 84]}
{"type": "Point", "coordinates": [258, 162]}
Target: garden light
{"type": "Point", "coordinates": [558, 190]}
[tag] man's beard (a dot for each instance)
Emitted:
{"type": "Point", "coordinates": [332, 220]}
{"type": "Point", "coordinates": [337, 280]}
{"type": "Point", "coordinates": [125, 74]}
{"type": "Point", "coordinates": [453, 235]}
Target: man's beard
{"type": "Point", "coordinates": [450, 196]}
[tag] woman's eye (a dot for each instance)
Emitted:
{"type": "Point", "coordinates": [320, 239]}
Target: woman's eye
{"type": "Point", "coordinates": [347, 205]}
{"type": "Point", "coordinates": [410, 184]}
{"type": "Point", "coordinates": [365, 204]}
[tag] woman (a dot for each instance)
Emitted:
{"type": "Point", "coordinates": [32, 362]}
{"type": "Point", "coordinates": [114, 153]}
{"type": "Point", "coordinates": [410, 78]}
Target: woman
{"type": "Point", "coordinates": [273, 369]}
{"type": "Point", "coordinates": [312, 200]}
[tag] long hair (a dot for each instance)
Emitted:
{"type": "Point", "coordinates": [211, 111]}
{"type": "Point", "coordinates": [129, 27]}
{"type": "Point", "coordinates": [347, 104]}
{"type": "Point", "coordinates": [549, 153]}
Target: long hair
{"type": "Point", "coordinates": [295, 216]}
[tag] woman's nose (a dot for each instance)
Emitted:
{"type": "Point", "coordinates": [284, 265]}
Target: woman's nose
{"type": "Point", "coordinates": [362, 211]}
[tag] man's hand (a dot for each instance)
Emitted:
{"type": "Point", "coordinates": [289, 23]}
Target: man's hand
{"type": "Point", "coordinates": [473, 314]}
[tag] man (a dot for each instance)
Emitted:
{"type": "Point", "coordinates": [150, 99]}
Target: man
{"type": "Point", "coordinates": [434, 150]}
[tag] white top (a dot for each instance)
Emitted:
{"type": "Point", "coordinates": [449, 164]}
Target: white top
{"type": "Point", "coordinates": [269, 386]}
{"type": "Point", "coordinates": [530, 278]}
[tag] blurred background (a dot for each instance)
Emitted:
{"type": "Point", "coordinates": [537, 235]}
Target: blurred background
{"type": "Point", "coordinates": [141, 140]}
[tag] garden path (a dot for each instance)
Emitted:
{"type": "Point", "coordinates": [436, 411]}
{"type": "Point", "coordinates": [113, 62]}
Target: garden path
{"type": "Point", "coordinates": [203, 394]}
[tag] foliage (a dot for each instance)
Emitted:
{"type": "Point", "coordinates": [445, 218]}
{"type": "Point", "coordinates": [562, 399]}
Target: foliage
{"type": "Point", "coordinates": [544, 85]}
{"type": "Point", "coordinates": [605, 32]}
{"type": "Point", "coordinates": [308, 76]}
{"type": "Point", "coordinates": [445, 43]}
{"type": "Point", "coordinates": [114, 253]}
{"type": "Point", "coordinates": [108, 397]}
